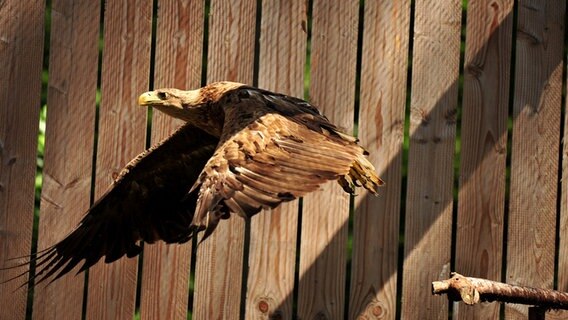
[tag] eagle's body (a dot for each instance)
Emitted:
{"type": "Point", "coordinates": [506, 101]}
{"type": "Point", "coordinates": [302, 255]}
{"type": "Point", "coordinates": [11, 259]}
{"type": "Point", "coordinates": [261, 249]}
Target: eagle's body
{"type": "Point", "coordinates": [243, 149]}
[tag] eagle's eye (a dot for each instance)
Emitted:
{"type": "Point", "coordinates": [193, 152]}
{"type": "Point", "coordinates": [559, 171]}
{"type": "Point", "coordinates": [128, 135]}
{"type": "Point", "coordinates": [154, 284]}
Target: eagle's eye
{"type": "Point", "coordinates": [162, 95]}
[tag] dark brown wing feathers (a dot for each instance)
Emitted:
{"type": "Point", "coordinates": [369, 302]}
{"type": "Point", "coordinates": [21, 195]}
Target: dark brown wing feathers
{"type": "Point", "coordinates": [148, 202]}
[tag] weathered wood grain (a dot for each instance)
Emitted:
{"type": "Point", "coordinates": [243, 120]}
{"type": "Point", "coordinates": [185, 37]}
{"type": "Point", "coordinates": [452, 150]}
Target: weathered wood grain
{"type": "Point", "coordinates": [272, 254]}
{"type": "Point", "coordinates": [325, 214]}
{"type": "Point", "coordinates": [21, 48]}
{"type": "Point", "coordinates": [556, 314]}
{"type": "Point", "coordinates": [69, 145]}
{"type": "Point", "coordinates": [433, 114]}
{"type": "Point", "coordinates": [381, 131]}
{"type": "Point", "coordinates": [536, 140]}
{"type": "Point", "coordinates": [220, 258]}
{"type": "Point", "coordinates": [480, 222]}
{"type": "Point", "coordinates": [179, 45]}
{"type": "Point", "coordinates": [563, 227]}
{"type": "Point", "coordinates": [122, 131]}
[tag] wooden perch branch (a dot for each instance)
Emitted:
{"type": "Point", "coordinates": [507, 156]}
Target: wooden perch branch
{"type": "Point", "coordinates": [475, 290]}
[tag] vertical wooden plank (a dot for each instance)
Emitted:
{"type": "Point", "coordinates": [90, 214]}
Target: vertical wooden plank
{"type": "Point", "coordinates": [272, 254]}
{"type": "Point", "coordinates": [563, 227]}
{"type": "Point", "coordinates": [220, 258]}
{"type": "Point", "coordinates": [556, 314]}
{"type": "Point", "coordinates": [179, 43]}
{"type": "Point", "coordinates": [485, 108]}
{"type": "Point", "coordinates": [430, 166]}
{"type": "Point", "coordinates": [69, 144]}
{"type": "Point", "coordinates": [21, 49]}
{"type": "Point", "coordinates": [381, 131]}
{"type": "Point", "coordinates": [325, 213]}
{"type": "Point", "coordinates": [122, 130]}
{"type": "Point", "coordinates": [536, 134]}
{"type": "Point", "coordinates": [540, 313]}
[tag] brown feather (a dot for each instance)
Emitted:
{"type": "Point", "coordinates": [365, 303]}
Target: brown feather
{"type": "Point", "coordinates": [277, 148]}
{"type": "Point", "coordinates": [115, 224]}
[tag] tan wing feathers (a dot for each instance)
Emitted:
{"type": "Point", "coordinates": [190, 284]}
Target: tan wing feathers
{"type": "Point", "coordinates": [235, 207]}
{"type": "Point", "coordinates": [248, 204]}
{"type": "Point", "coordinates": [276, 148]}
{"type": "Point", "coordinates": [261, 196]}
{"type": "Point", "coordinates": [270, 185]}
{"type": "Point", "coordinates": [324, 149]}
{"type": "Point", "coordinates": [298, 157]}
{"type": "Point", "coordinates": [273, 160]}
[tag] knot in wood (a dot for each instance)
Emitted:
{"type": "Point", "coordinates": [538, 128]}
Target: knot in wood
{"type": "Point", "coordinates": [374, 310]}
{"type": "Point", "coordinates": [263, 306]}
{"type": "Point", "coordinates": [12, 160]}
{"type": "Point", "coordinates": [322, 315]}
{"type": "Point", "coordinates": [377, 310]}
{"type": "Point", "coordinates": [451, 116]}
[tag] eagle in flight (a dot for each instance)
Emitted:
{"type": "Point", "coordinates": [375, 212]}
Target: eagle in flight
{"type": "Point", "coordinates": [242, 149]}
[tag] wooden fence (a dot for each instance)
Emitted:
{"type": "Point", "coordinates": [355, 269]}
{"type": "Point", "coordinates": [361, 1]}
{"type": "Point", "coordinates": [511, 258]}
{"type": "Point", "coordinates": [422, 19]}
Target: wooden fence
{"type": "Point", "coordinates": [390, 70]}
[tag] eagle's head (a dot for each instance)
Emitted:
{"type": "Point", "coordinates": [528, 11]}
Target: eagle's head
{"type": "Point", "coordinates": [171, 101]}
{"type": "Point", "coordinates": [179, 103]}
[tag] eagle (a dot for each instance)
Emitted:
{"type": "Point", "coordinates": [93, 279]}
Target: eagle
{"type": "Point", "coordinates": [242, 149]}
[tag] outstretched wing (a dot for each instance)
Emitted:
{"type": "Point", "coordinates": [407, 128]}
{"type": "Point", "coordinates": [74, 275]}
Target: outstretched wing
{"type": "Point", "coordinates": [148, 201]}
{"type": "Point", "coordinates": [271, 150]}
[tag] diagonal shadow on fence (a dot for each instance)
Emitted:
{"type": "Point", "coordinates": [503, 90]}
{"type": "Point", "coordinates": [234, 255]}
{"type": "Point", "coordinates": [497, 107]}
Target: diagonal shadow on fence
{"type": "Point", "coordinates": [473, 70]}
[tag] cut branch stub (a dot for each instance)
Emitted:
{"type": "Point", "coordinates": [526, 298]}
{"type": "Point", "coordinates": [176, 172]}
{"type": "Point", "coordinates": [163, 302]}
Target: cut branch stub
{"type": "Point", "coordinates": [458, 288]}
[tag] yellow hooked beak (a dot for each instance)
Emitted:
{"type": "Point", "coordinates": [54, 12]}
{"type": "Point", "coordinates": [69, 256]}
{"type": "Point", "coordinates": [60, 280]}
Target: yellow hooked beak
{"type": "Point", "coordinates": [149, 98]}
